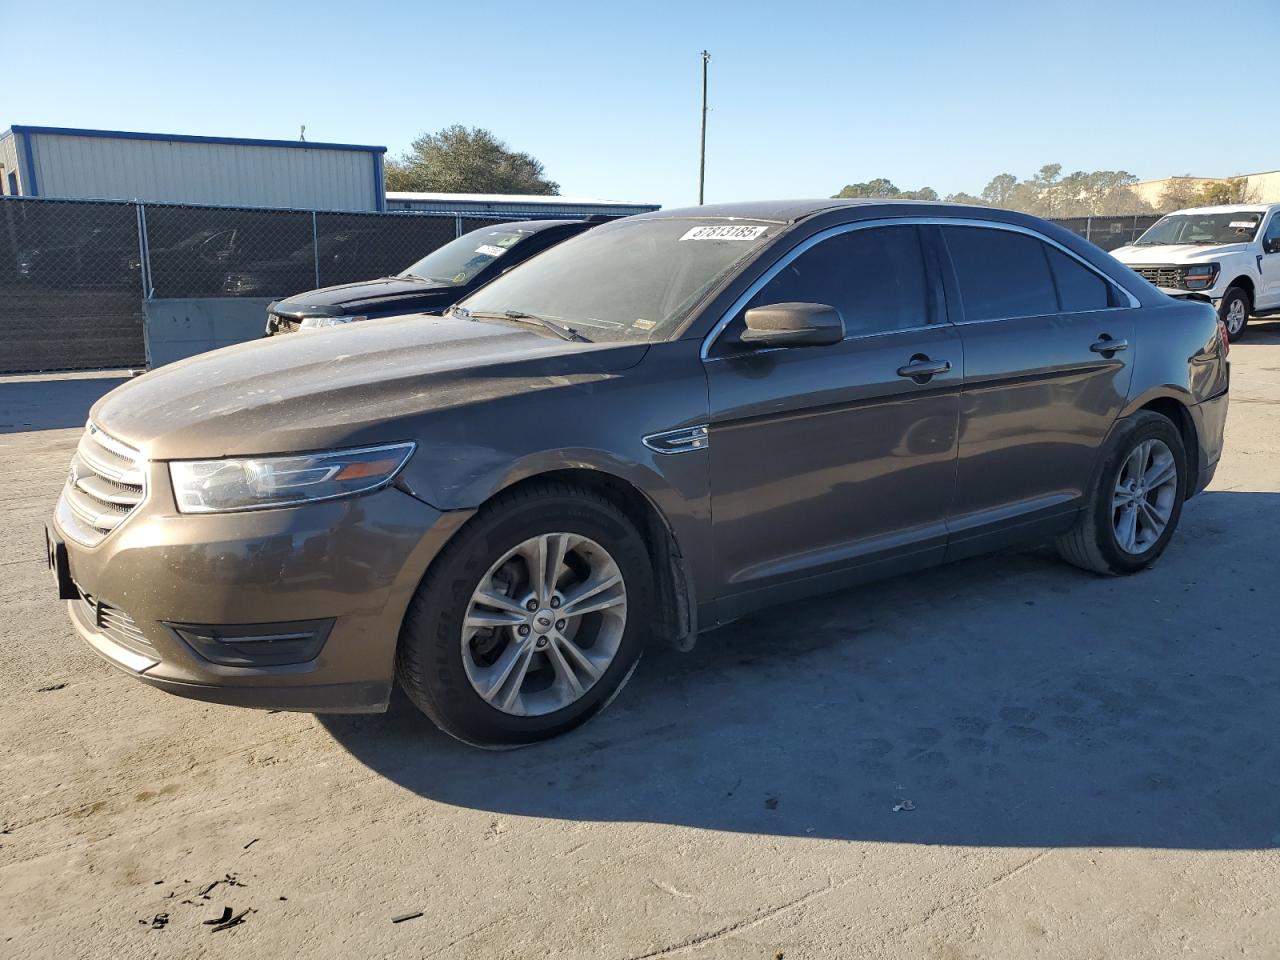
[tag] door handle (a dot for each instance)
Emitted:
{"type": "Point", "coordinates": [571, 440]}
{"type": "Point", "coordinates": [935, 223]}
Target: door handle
{"type": "Point", "coordinates": [1107, 345]}
{"type": "Point", "coordinates": [921, 368]}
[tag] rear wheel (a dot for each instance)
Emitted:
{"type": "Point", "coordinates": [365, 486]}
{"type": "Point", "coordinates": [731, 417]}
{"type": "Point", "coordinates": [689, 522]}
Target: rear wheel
{"type": "Point", "coordinates": [1137, 500]}
{"type": "Point", "coordinates": [530, 621]}
{"type": "Point", "coordinates": [1234, 312]}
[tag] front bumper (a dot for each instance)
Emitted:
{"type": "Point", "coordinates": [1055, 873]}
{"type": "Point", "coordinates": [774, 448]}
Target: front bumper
{"type": "Point", "coordinates": [355, 562]}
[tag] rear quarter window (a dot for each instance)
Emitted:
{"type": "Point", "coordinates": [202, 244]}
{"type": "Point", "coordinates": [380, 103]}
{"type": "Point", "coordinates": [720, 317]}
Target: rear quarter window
{"type": "Point", "coordinates": [1079, 288]}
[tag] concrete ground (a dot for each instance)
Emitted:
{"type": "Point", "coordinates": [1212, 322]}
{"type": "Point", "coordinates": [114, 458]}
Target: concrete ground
{"type": "Point", "coordinates": [1090, 765]}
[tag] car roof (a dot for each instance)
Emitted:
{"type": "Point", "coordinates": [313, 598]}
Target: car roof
{"type": "Point", "coordinates": [792, 211]}
{"type": "Point", "coordinates": [531, 226]}
{"type": "Point", "coordinates": [1229, 208]}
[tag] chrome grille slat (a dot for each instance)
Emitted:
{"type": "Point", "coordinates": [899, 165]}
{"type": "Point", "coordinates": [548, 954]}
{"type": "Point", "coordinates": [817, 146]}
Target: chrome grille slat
{"type": "Point", "coordinates": [106, 484]}
{"type": "Point", "coordinates": [1160, 274]}
{"type": "Point", "coordinates": [115, 624]}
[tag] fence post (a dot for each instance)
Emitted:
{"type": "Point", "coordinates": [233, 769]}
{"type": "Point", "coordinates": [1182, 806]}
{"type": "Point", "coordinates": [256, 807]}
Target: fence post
{"type": "Point", "coordinates": [457, 223]}
{"type": "Point", "coordinates": [1088, 228]}
{"type": "Point", "coordinates": [144, 254]}
{"type": "Point", "coordinates": [315, 248]}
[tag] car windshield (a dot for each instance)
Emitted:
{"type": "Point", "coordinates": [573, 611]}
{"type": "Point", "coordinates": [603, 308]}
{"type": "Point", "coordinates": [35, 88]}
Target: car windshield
{"type": "Point", "coordinates": [1202, 228]}
{"type": "Point", "coordinates": [633, 279]}
{"type": "Point", "coordinates": [458, 261]}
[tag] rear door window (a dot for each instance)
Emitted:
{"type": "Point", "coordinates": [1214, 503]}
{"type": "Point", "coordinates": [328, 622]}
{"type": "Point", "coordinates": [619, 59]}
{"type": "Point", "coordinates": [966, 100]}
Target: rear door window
{"type": "Point", "coordinates": [875, 278]}
{"type": "Point", "coordinates": [1001, 274]}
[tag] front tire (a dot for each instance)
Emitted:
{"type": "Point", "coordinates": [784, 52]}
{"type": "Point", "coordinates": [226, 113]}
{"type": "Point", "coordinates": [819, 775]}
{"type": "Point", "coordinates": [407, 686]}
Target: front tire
{"type": "Point", "coordinates": [1234, 310]}
{"type": "Point", "coordinates": [530, 621]}
{"type": "Point", "coordinates": [1136, 502]}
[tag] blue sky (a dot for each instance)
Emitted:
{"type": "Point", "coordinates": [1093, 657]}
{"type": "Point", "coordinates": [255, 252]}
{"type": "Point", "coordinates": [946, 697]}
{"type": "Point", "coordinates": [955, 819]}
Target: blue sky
{"type": "Point", "coordinates": [805, 96]}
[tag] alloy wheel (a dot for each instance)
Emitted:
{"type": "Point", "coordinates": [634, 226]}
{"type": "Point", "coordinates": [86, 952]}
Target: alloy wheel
{"type": "Point", "coordinates": [1235, 317]}
{"type": "Point", "coordinates": [544, 624]}
{"type": "Point", "coordinates": [1144, 496]}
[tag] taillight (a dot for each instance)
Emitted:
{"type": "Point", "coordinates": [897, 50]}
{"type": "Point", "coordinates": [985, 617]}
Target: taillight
{"type": "Point", "coordinates": [1224, 338]}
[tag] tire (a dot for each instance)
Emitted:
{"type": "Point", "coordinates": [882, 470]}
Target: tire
{"type": "Point", "coordinates": [1094, 543]}
{"type": "Point", "coordinates": [442, 675]}
{"type": "Point", "coordinates": [1237, 305]}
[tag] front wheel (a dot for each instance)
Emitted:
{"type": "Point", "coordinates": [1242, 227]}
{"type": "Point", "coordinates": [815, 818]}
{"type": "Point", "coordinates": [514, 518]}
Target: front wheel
{"type": "Point", "coordinates": [1136, 502]}
{"type": "Point", "coordinates": [1234, 312]}
{"type": "Point", "coordinates": [530, 621]}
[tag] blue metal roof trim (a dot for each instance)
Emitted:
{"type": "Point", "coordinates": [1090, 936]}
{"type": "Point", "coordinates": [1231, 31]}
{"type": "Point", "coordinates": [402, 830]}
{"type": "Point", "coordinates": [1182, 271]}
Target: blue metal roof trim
{"type": "Point", "coordinates": [191, 138]}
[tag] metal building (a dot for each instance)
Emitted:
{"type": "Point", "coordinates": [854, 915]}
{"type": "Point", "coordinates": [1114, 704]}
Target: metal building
{"type": "Point", "coordinates": [175, 168]}
{"type": "Point", "coordinates": [512, 205]}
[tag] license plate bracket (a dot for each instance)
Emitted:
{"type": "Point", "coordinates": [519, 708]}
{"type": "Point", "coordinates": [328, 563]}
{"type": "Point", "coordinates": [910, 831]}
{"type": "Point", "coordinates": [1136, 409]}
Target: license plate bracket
{"type": "Point", "coordinates": [59, 566]}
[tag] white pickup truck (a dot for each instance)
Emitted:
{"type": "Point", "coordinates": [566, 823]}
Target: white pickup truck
{"type": "Point", "coordinates": [1230, 254]}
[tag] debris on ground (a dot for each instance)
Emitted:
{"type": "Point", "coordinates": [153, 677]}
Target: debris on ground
{"type": "Point", "coordinates": [230, 880]}
{"type": "Point", "coordinates": [158, 922]}
{"type": "Point", "coordinates": [904, 805]}
{"type": "Point", "coordinates": [233, 921]}
{"type": "Point", "coordinates": [51, 688]}
{"type": "Point", "coordinates": [250, 843]}
{"type": "Point", "coordinates": [226, 915]}
{"type": "Point", "coordinates": [406, 916]}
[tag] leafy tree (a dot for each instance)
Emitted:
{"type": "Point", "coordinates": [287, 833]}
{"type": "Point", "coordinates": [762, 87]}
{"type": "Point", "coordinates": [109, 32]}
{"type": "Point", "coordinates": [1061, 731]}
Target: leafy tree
{"type": "Point", "coordinates": [1231, 190]}
{"type": "Point", "coordinates": [882, 189]}
{"type": "Point", "coordinates": [1047, 193]}
{"type": "Point", "coordinates": [1180, 193]}
{"type": "Point", "coordinates": [459, 159]}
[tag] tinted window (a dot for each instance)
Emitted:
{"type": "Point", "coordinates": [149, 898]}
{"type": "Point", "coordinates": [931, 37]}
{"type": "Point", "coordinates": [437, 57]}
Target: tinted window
{"type": "Point", "coordinates": [875, 278]}
{"type": "Point", "coordinates": [1273, 228]}
{"type": "Point", "coordinates": [1079, 288]}
{"type": "Point", "coordinates": [1001, 274]}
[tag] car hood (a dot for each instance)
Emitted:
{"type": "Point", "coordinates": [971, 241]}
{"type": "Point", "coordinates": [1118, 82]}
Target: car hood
{"type": "Point", "coordinates": [348, 298]}
{"type": "Point", "coordinates": [1177, 253]}
{"type": "Point", "coordinates": [343, 386]}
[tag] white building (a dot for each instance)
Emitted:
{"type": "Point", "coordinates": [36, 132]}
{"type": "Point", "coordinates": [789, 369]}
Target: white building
{"type": "Point", "coordinates": [512, 205]}
{"type": "Point", "coordinates": [175, 168]}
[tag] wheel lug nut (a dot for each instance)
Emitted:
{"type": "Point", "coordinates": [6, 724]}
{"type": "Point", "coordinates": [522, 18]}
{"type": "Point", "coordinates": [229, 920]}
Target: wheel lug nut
{"type": "Point", "coordinates": [523, 629]}
{"type": "Point", "coordinates": [531, 605]}
{"type": "Point", "coordinates": [555, 602]}
{"type": "Point", "coordinates": [542, 642]}
{"type": "Point", "coordinates": [560, 624]}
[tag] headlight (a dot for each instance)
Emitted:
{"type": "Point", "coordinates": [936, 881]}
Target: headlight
{"type": "Point", "coordinates": [254, 483]}
{"type": "Point", "coordinates": [315, 323]}
{"type": "Point", "coordinates": [1200, 276]}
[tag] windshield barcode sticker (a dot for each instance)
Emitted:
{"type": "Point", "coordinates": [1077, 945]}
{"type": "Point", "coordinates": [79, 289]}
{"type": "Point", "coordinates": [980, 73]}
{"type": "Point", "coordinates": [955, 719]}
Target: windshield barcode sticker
{"type": "Point", "coordinates": [728, 232]}
{"type": "Point", "coordinates": [489, 250]}
{"type": "Point", "coordinates": [1241, 225]}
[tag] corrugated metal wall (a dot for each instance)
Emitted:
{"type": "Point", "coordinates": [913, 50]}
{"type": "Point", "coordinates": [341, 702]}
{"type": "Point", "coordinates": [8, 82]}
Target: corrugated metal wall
{"type": "Point", "coordinates": [230, 174]}
{"type": "Point", "coordinates": [9, 158]}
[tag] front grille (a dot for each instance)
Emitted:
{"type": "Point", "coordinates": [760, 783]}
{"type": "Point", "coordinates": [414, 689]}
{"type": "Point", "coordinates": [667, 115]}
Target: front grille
{"type": "Point", "coordinates": [1160, 275]}
{"type": "Point", "coordinates": [106, 483]}
{"type": "Point", "coordinates": [115, 624]}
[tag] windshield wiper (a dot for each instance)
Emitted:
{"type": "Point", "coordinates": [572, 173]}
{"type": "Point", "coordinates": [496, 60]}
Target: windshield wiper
{"type": "Point", "coordinates": [559, 329]}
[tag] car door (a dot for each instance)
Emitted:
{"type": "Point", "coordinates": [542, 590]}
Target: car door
{"type": "Point", "coordinates": [1269, 265]}
{"type": "Point", "coordinates": [828, 458]}
{"type": "Point", "coordinates": [1048, 347]}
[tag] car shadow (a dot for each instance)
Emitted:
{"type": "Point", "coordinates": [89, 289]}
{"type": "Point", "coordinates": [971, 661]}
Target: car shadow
{"type": "Point", "coordinates": [1010, 700]}
{"type": "Point", "coordinates": [50, 401]}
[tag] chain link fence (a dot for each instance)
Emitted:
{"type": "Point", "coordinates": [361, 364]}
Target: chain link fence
{"type": "Point", "coordinates": [1109, 232]}
{"type": "Point", "coordinates": [74, 274]}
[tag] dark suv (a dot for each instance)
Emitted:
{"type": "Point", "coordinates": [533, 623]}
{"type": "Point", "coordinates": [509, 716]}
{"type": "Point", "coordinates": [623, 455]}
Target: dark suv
{"type": "Point", "coordinates": [657, 426]}
{"type": "Point", "coordinates": [439, 279]}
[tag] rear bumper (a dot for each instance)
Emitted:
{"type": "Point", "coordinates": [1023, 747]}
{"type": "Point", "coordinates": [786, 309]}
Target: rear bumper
{"type": "Point", "coordinates": [1210, 418]}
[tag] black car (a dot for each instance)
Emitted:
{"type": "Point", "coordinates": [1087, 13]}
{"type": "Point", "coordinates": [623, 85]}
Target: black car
{"type": "Point", "coordinates": [431, 285]}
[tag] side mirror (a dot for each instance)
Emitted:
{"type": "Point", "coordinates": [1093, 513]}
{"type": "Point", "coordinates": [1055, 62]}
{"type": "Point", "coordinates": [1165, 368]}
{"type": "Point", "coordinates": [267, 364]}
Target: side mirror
{"type": "Point", "coordinates": [1271, 246]}
{"type": "Point", "coordinates": [793, 325]}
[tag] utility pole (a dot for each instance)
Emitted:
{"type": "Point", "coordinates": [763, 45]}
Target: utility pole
{"type": "Point", "coordinates": [702, 151]}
